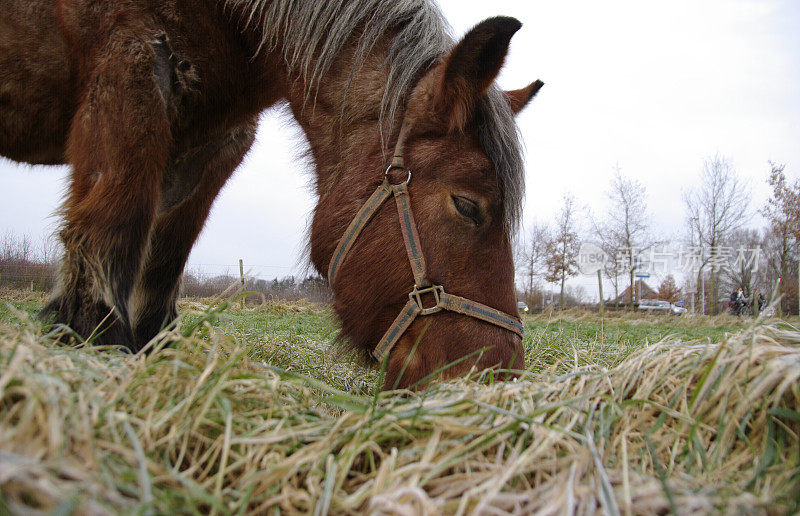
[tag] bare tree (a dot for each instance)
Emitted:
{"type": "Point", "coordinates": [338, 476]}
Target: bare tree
{"type": "Point", "coordinates": [780, 269]}
{"type": "Point", "coordinates": [562, 249]}
{"type": "Point", "coordinates": [611, 270]}
{"type": "Point", "coordinates": [578, 294]}
{"type": "Point", "coordinates": [50, 250]}
{"type": "Point", "coordinates": [746, 245]}
{"type": "Point", "coordinates": [18, 249]}
{"type": "Point", "coordinates": [625, 232]}
{"type": "Point", "coordinates": [718, 207]}
{"type": "Point", "coordinates": [23, 264]}
{"type": "Point", "coordinates": [782, 211]}
{"type": "Point", "coordinates": [531, 257]}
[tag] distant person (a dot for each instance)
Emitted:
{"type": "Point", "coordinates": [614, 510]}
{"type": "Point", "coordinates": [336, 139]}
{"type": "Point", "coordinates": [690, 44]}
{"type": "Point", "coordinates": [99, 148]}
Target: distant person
{"type": "Point", "coordinates": [740, 301]}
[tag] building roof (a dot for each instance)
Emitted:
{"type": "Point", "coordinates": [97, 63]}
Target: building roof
{"type": "Point", "coordinates": [646, 291]}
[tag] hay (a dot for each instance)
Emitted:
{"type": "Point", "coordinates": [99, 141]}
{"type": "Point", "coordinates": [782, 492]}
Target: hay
{"type": "Point", "coordinates": [693, 427]}
{"type": "Point", "coordinates": [17, 295]}
{"type": "Point", "coordinates": [300, 306]}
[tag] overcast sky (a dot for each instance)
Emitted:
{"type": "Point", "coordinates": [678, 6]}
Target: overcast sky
{"type": "Point", "coordinates": [655, 87]}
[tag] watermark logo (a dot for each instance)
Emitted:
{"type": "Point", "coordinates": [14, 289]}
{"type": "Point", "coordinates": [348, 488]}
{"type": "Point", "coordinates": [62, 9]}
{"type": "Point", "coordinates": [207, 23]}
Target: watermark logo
{"type": "Point", "coordinates": [665, 258]}
{"type": "Point", "coordinates": [591, 258]}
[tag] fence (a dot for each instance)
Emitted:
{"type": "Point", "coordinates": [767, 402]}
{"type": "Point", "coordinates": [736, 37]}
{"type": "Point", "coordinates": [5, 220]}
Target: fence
{"type": "Point", "coordinates": [34, 276]}
{"type": "Point", "coordinates": [312, 288]}
{"type": "Point", "coordinates": [27, 275]}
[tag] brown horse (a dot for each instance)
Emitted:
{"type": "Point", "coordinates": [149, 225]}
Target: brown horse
{"type": "Point", "coordinates": [154, 103]}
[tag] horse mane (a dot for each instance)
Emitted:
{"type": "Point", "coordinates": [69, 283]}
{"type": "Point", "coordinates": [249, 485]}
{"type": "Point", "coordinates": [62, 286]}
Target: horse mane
{"type": "Point", "coordinates": [314, 33]}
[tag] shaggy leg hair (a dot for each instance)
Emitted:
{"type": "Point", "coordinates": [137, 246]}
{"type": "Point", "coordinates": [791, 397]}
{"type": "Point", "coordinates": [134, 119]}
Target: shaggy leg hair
{"type": "Point", "coordinates": [117, 171]}
{"type": "Point", "coordinates": [189, 188]}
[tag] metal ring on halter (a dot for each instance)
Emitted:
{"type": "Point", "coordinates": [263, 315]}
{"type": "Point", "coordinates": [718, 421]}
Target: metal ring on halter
{"type": "Point", "coordinates": [390, 167]}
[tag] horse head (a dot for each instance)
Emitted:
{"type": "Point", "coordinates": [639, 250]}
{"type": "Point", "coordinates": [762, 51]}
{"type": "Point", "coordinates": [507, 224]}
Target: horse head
{"type": "Point", "coordinates": [445, 250]}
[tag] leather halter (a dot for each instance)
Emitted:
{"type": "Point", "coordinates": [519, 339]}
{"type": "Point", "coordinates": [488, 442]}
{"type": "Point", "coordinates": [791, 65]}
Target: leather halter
{"type": "Point", "coordinates": [414, 306]}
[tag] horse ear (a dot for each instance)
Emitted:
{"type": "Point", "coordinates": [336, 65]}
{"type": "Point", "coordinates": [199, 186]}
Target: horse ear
{"type": "Point", "coordinates": [471, 68]}
{"type": "Point", "coordinates": [518, 99]}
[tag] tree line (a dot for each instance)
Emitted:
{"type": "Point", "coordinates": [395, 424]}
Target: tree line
{"type": "Point", "coordinates": [312, 288]}
{"type": "Point", "coordinates": [719, 250]}
{"type": "Point", "coordinates": [28, 264]}
{"type": "Point", "coordinates": [31, 265]}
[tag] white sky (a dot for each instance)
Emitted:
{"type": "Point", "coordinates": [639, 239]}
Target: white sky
{"type": "Point", "coordinates": [656, 87]}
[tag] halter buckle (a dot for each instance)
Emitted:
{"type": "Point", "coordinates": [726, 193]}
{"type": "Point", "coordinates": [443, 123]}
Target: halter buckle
{"type": "Point", "coordinates": [416, 296]}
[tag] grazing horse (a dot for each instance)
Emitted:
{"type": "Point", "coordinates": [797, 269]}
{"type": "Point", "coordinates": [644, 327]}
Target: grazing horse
{"type": "Point", "coordinates": [154, 103]}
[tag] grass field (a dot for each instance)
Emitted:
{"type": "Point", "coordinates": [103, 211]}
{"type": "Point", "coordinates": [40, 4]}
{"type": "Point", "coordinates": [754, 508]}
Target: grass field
{"type": "Point", "coordinates": [241, 411]}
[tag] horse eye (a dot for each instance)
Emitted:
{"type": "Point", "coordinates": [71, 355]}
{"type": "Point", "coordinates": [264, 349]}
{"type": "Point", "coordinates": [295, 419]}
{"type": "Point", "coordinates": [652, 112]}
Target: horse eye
{"type": "Point", "coordinates": [468, 209]}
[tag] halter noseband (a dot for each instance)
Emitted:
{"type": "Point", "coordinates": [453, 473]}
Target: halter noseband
{"type": "Point", "coordinates": [414, 306]}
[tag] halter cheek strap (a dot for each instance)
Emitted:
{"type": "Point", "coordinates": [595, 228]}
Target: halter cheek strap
{"type": "Point", "coordinates": [422, 287]}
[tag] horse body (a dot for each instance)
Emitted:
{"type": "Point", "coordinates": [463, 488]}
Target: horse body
{"type": "Point", "coordinates": [36, 95]}
{"type": "Point", "coordinates": [151, 138]}
{"type": "Point", "coordinates": [154, 104]}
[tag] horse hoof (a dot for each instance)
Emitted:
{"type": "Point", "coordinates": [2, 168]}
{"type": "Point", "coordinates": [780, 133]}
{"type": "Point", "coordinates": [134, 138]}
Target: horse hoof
{"type": "Point", "coordinates": [94, 324]}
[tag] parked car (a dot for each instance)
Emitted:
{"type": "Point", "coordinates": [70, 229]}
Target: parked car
{"type": "Point", "coordinates": [522, 307]}
{"type": "Point", "coordinates": [660, 307]}
{"type": "Point", "coordinates": [678, 310]}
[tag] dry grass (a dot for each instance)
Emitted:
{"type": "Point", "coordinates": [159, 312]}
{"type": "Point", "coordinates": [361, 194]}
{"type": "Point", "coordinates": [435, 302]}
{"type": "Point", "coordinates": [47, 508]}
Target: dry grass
{"type": "Point", "coordinates": [643, 318]}
{"type": "Point", "coordinates": [17, 295]}
{"type": "Point", "coordinates": [200, 427]}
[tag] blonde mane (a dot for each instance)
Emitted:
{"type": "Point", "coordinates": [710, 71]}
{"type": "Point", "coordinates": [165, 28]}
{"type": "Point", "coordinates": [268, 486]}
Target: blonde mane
{"type": "Point", "coordinates": [313, 34]}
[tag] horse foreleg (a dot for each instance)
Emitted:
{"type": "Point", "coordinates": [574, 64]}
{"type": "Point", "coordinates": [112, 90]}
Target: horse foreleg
{"type": "Point", "coordinates": [118, 147]}
{"type": "Point", "coordinates": [190, 187]}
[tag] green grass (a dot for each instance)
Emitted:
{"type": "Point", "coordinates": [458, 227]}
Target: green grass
{"type": "Point", "coordinates": [249, 411]}
{"type": "Point", "coordinates": [591, 341]}
{"type": "Point", "coordinates": [30, 307]}
{"type": "Point", "coordinates": [297, 337]}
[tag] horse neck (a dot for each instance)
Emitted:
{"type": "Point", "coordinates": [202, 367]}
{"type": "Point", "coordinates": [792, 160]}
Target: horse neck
{"type": "Point", "coordinates": [340, 119]}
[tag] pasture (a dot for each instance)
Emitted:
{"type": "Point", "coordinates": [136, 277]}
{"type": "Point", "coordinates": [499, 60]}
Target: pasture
{"type": "Point", "coordinates": [239, 411]}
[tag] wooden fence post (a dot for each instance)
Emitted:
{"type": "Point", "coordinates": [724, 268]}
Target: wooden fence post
{"type": "Point", "coordinates": [600, 288]}
{"type": "Point", "coordinates": [241, 278]}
